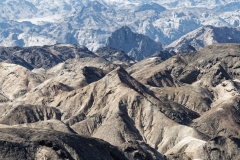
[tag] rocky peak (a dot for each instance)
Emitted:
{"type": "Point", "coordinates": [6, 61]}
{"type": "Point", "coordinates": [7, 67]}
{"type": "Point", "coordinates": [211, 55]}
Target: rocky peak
{"type": "Point", "coordinates": [185, 107]}
{"type": "Point", "coordinates": [135, 45]}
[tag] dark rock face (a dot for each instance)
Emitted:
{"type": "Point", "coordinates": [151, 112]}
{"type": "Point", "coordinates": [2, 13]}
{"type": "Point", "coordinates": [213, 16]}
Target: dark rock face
{"type": "Point", "coordinates": [189, 76]}
{"type": "Point", "coordinates": [163, 54]}
{"type": "Point", "coordinates": [180, 156]}
{"type": "Point", "coordinates": [114, 55]}
{"type": "Point", "coordinates": [43, 57]}
{"type": "Point", "coordinates": [186, 49]}
{"type": "Point", "coordinates": [140, 150]}
{"type": "Point", "coordinates": [161, 79]}
{"type": "Point", "coordinates": [222, 148]}
{"type": "Point", "coordinates": [93, 74]}
{"type": "Point", "coordinates": [135, 45]}
{"type": "Point", "coordinates": [17, 60]}
{"type": "Point", "coordinates": [3, 98]}
{"type": "Point", "coordinates": [26, 143]}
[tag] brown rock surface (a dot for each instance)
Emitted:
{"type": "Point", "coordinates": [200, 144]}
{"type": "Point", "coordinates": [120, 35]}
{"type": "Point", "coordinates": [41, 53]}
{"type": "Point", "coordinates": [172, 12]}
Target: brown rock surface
{"type": "Point", "coordinates": [29, 114]}
{"type": "Point", "coordinates": [185, 107]}
{"type": "Point", "coordinates": [16, 80]}
{"type": "Point", "coordinates": [27, 143]}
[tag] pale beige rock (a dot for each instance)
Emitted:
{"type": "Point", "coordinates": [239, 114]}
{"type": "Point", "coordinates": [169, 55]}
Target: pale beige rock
{"type": "Point", "coordinates": [16, 80]}
{"type": "Point", "coordinates": [186, 107]}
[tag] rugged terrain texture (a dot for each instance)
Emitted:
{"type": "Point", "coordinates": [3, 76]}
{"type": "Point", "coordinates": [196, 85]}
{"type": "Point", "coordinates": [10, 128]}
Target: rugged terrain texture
{"type": "Point", "coordinates": [180, 107]}
{"type": "Point", "coordinates": [115, 56]}
{"type": "Point", "coordinates": [135, 45]}
{"type": "Point", "coordinates": [205, 36]}
{"type": "Point", "coordinates": [28, 143]}
{"type": "Point", "coordinates": [43, 57]}
{"type": "Point", "coordinates": [90, 23]}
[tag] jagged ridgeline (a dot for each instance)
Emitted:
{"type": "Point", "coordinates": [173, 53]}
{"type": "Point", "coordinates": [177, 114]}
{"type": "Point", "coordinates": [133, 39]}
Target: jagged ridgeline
{"type": "Point", "coordinates": [65, 102]}
{"type": "Point", "coordinates": [90, 23]}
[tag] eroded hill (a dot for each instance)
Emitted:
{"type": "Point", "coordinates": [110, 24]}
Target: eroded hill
{"type": "Point", "coordinates": [184, 107]}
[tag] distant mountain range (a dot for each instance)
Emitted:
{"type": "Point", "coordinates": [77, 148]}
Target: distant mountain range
{"type": "Point", "coordinates": [90, 23]}
{"type": "Point", "coordinates": [206, 35]}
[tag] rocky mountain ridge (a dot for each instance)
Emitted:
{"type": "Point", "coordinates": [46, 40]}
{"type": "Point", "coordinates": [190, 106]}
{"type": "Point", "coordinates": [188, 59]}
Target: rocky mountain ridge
{"type": "Point", "coordinates": [91, 23]}
{"type": "Point", "coordinates": [43, 57]}
{"type": "Point", "coordinates": [183, 107]}
{"type": "Point", "coordinates": [206, 35]}
{"type": "Point", "coordinates": [135, 45]}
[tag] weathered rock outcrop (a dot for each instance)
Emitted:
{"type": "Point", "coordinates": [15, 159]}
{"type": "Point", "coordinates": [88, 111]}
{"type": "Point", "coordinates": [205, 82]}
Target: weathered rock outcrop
{"type": "Point", "coordinates": [182, 107]}
{"type": "Point", "coordinates": [135, 45]}
{"type": "Point", "coordinates": [28, 114]}
{"type": "Point", "coordinates": [115, 56]}
{"type": "Point", "coordinates": [43, 57]}
{"type": "Point", "coordinates": [27, 143]}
